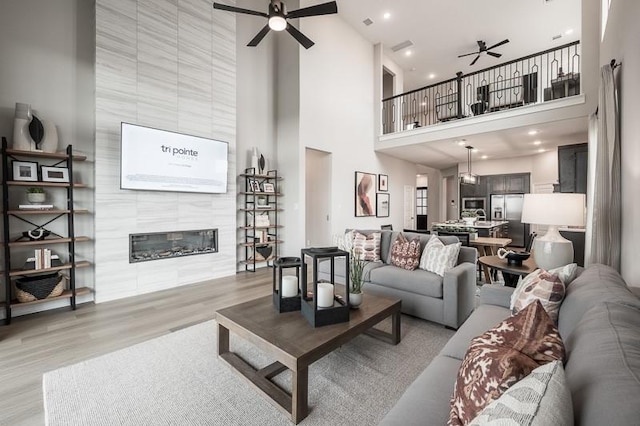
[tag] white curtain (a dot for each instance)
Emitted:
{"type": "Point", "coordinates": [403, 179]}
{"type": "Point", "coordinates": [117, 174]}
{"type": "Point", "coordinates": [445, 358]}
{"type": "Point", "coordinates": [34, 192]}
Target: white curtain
{"type": "Point", "coordinates": [606, 214]}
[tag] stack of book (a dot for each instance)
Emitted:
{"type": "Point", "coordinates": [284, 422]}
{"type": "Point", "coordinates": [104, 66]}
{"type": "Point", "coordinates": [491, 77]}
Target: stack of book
{"type": "Point", "coordinates": [43, 258]}
{"type": "Point", "coordinates": [35, 206]}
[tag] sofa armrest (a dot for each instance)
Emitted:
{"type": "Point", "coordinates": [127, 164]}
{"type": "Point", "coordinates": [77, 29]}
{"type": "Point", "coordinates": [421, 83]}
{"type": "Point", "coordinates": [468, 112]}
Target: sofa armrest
{"type": "Point", "coordinates": [458, 293]}
{"type": "Point", "coordinates": [496, 294]}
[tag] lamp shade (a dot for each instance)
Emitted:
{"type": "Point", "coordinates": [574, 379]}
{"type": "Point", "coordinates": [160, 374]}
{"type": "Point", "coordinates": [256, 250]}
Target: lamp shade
{"type": "Point", "coordinates": [557, 209]}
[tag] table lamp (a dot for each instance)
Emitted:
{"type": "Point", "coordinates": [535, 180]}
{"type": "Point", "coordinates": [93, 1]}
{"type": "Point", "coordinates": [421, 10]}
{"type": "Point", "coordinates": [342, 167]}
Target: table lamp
{"type": "Point", "coordinates": [558, 209]}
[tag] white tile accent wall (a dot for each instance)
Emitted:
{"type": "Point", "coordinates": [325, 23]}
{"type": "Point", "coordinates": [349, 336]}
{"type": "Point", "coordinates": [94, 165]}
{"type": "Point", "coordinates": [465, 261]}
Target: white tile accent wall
{"type": "Point", "coordinates": [169, 64]}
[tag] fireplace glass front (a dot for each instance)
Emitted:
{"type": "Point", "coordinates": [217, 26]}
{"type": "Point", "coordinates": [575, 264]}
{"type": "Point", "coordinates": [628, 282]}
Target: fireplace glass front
{"type": "Point", "coordinates": [164, 245]}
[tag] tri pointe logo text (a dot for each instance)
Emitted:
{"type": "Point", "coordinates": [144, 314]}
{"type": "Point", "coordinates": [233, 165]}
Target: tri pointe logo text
{"type": "Point", "coordinates": [184, 153]}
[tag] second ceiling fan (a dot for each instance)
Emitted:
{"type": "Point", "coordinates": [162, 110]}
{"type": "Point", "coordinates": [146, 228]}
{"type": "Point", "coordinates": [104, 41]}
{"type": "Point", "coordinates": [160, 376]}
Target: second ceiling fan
{"type": "Point", "coordinates": [277, 19]}
{"type": "Point", "coordinates": [482, 47]}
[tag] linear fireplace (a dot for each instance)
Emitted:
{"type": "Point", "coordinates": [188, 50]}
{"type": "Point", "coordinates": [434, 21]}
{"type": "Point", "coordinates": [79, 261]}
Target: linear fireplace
{"type": "Point", "coordinates": [165, 245]}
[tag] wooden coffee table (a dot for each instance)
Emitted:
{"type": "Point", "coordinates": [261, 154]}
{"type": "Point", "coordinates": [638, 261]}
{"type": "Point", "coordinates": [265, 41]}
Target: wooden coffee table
{"type": "Point", "coordinates": [294, 344]}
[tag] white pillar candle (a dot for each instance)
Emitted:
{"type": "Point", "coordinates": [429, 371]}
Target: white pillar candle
{"type": "Point", "coordinates": [289, 286]}
{"type": "Point", "coordinates": [325, 295]}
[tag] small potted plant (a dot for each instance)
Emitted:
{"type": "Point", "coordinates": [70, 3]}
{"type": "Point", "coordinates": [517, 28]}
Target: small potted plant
{"type": "Point", "coordinates": [356, 277]}
{"type": "Point", "coordinates": [36, 195]}
{"type": "Point", "coordinates": [469, 216]}
{"type": "Point", "coordinates": [473, 233]}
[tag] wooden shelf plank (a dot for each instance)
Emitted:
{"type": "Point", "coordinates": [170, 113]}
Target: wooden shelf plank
{"type": "Point", "coordinates": [53, 155]}
{"type": "Point", "coordinates": [65, 295]}
{"type": "Point", "coordinates": [21, 272]}
{"type": "Point", "coordinates": [45, 184]}
{"type": "Point", "coordinates": [261, 210]}
{"type": "Point", "coordinates": [250, 261]}
{"type": "Point", "coordinates": [47, 241]}
{"type": "Point", "coordinates": [278, 194]}
{"type": "Point", "coordinates": [52, 211]}
{"type": "Point", "coordinates": [248, 175]}
{"type": "Point", "coordinates": [260, 227]}
{"type": "Point", "coordinates": [268, 243]}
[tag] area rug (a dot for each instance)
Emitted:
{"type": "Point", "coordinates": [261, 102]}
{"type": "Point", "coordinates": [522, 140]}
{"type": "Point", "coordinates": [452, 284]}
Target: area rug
{"type": "Point", "coordinates": [177, 379]}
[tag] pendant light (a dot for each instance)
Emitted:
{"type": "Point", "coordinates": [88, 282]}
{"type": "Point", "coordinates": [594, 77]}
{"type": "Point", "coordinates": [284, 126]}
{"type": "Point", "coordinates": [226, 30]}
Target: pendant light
{"type": "Point", "coordinates": [468, 178]}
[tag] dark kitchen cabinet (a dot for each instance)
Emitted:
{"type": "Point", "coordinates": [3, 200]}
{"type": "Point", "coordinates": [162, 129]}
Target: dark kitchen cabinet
{"type": "Point", "coordinates": [477, 190]}
{"type": "Point", "coordinates": [572, 168]}
{"type": "Point", "coordinates": [509, 184]}
{"type": "Point", "coordinates": [497, 184]}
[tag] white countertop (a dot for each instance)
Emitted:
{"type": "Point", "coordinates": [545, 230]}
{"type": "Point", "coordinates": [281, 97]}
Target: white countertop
{"type": "Point", "coordinates": [477, 225]}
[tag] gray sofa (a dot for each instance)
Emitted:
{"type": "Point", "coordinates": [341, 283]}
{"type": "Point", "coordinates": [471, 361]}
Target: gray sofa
{"type": "Point", "coordinates": [599, 322]}
{"type": "Point", "coordinates": [446, 300]}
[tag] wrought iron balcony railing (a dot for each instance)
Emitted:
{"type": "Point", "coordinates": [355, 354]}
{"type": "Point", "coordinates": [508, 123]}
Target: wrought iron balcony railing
{"type": "Point", "coordinates": [544, 76]}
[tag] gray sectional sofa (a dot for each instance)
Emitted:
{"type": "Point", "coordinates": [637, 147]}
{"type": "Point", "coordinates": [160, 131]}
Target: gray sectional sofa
{"type": "Point", "coordinates": [599, 322]}
{"type": "Point", "coordinates": [446, 300]}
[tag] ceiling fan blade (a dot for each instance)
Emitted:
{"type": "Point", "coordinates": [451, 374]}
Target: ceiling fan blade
{"type": "Point", "coordinates": [495, 55]}
{"type": "Point", "coordinates": [258, 38]}
{"type": "Point", "coordinates": [228, 8]}
{"type": "Point", "coordinates": [475, 60]}
{"type": "Point", "coordinates": [302, 39]}
{"type": "Point", "coordinates": [319, 9]}
{"type": "Point", "coordinates": [467, 54]}
{"type": "Point", "coordinates": [505, 41]}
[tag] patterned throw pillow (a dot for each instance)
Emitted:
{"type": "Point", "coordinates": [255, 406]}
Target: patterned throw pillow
{"type": "Point", "coordinates": [367, 245]}
{"type": "Point", "coordinates": [439, 258]}
{"type": "Point", "coordinates": [540, 399]}
{"type": "Point", "coordinates": [344, 242]}
{"type": "Point", "coordinates": [539, 285]}
{"type": "Point", "coordinates": [501, 357]}
{"type": "Point", "coordinates": [405, 254]}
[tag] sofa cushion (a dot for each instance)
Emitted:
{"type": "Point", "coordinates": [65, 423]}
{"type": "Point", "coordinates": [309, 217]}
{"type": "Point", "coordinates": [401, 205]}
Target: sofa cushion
{"type": "Point", "coordinates": [603, 367]}
{"type": "Point", "coordinates": [426, 400]}
{"type": "Point", "coordinates": [439, 258]}
{"type": "Point", "coordinates": [367, 247]}
{"type": "Point", "coordinates": [324, 268]}
{"type": "Point", "coordinates": [540, 399]}
{"type": "Point", "coordinates": [501, 357]}
{"type": "Point", "coordinates": [539, 285]}
{"type": "Point", "coordinates": [405, 254]}
{"type": "Point", "coordinates": [598, 283]}
{"type": "Point", "coordinates": [482, 319]}
{"type": "Point", "coordinates": [417, 281]}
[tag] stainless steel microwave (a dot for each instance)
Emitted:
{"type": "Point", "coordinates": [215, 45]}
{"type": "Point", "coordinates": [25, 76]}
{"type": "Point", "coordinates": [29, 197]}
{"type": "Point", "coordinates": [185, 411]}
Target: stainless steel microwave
{"type": "Point", "coordinates": [474, 203]}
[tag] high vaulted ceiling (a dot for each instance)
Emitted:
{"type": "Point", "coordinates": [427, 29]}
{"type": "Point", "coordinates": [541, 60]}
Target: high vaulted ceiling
{"type": "Point", "coordinates": [443, 29]}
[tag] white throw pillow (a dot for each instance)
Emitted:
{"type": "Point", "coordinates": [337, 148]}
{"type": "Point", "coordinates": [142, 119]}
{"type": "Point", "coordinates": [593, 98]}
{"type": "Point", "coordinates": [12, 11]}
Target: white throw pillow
{"type": "Point", "coordinates": [566, 273]}
{"type": "Point", "coordinates": [345, 241]}
{"type": "Point", "coordinates": [439, 258]}
{"type": "Point", "coordinates": [540, 399]}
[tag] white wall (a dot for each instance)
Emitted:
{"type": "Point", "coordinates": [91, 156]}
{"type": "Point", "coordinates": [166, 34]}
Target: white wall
{"type": "Point", "coordinates": [53, 70]}
{"type": "Point", "coordinates": [336, 115]}
{"type": "Point", "coordinates": [621, 43]}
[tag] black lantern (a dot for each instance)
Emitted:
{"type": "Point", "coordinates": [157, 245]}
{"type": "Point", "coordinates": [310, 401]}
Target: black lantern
{"type": "Point", "coordinates": [286, 298]}
{"type": "Point", "coordinates": [323, 306]}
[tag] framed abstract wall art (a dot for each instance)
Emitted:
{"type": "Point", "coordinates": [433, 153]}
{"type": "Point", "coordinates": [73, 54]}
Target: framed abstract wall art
{"type": "Point", "coordinates": [365, 193]}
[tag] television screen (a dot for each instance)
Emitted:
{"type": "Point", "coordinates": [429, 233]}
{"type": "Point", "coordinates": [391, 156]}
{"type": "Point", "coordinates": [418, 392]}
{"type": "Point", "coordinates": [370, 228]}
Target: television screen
{"type": "Point", "coordinates": [159, 160]}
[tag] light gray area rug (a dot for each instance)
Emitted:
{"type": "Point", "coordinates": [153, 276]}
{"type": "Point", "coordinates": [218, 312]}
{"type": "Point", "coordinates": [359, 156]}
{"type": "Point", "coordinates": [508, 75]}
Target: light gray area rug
{"type": "Point", "coordinates": [177, 379]}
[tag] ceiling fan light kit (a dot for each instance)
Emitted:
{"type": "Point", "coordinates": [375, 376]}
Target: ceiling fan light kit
{"type": "Point", "coordinates": [277, 19]}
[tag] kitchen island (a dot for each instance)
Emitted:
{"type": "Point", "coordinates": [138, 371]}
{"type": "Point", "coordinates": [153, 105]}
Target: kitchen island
{"type": "Point", "coordinates": [493, 228]}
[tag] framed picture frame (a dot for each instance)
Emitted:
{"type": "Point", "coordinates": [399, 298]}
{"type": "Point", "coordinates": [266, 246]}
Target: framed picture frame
{"type": "Point", "coordinates": [364, 194]}
{"type": "Point", "coordinates": [254, 185]}
{"type": "Point", "coordinates": [268, 187]}
{"type": "Point", "coordinates": [25, 170]}
{"type": "Point", "coordinates": [54, 174]}
{"type": "Point", "coordinates": [382, 204]}
{"type": "Point", "coordinates": [383, 182]}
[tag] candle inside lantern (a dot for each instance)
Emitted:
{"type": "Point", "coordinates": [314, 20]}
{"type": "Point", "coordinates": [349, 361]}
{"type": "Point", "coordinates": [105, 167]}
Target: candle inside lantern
{"type": "Point", "coordinates": [289, 286]}
{"type": "Point", "coordinates": [325, 295]}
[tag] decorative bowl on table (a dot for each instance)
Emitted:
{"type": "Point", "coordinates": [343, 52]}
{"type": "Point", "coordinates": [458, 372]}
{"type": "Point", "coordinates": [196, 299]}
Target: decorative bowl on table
{"type": "Point", "coordinates": [513, 257]}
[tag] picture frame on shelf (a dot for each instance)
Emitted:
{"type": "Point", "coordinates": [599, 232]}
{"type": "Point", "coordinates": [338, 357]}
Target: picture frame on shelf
{"type": "Point", "coordinates": [268, 187]}
{"type": "Point", "coordinates": [25, 170]}
{"type": "Point", "coordinates": [54, 174]}
{"type": "Point", "coordinates": [383, 182]}
{"type": "Point", "coordinates": [254, 185]}
{"type": "Point", "coordinates": [382, 204]}
{"type": "Point", "coordinates": [364, 194]}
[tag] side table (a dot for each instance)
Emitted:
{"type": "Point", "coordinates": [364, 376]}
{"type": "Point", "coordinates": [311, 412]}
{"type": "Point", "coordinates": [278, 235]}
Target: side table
{"type": "Point", "coordinates": [494, 262]}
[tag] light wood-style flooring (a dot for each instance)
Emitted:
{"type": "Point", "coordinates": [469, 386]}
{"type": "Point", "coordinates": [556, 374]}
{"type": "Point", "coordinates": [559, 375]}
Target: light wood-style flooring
{"type": "Point", "coordinates": [37, 343]}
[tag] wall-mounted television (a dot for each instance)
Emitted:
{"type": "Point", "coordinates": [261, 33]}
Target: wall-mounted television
{"type": "Point", "coordinates": [160, 160]}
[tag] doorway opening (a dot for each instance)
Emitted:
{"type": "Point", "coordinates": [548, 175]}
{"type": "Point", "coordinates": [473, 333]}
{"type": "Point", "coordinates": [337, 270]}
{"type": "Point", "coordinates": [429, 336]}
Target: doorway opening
{"type": "Point", "coordinates": [318, 198]}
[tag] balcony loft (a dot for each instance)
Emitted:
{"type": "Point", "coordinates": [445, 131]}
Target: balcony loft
{"type": "Point", "coordinates": [539, 88]}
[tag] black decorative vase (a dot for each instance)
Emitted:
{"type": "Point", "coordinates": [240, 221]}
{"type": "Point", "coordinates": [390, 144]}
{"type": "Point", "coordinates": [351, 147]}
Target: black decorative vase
{"type": "Point", "coordinates": [261, 163]}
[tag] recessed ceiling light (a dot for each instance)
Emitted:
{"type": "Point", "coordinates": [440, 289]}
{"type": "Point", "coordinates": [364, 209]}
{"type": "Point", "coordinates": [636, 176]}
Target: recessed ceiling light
{"type": "Point", "coordinates": [386, 15]}
{"type": "Point", "coordinates": [424, 104]}
{"type": "Point", "coordinates": [537, 142]}
{"type": "Point", "coordinates": [541, 150]}
{"type": "Point", "coordinates": [533, 132]}
{"type": "Point", "coordinates": [432, 76]}
{"type": "Point", "coordinates": [462, 142]}
{"type": "Point", "coordinates": [484, 157]}
{"type": "Point", "coordinates": [474, 150]}
{"type": "Point", "coordinates": [408, 53]}
{"type": "Point", "coordinates": [569, 31]}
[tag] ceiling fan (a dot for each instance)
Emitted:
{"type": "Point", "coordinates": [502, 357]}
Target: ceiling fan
{"type": "Point", "coordinates": [277, 19]}
{"type": "Point", "coordinates": [482, 47]}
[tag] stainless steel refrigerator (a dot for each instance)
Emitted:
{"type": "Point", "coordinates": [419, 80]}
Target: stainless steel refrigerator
{"type": "Point", "coordinates": [509, 207]}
